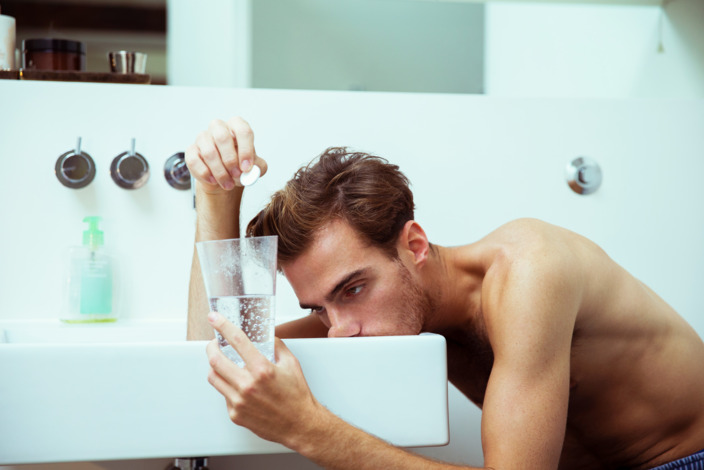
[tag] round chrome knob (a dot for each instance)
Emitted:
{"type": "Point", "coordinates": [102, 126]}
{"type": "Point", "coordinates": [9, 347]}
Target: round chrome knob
{"type": "Point", "coordinates": [130, 170]}
{"type": "Point", "coordinates": [176, 172]}
{"type": "Point", "coordinates": [583, 175]}
{"type": "Point", "coordinates": [75, 169]}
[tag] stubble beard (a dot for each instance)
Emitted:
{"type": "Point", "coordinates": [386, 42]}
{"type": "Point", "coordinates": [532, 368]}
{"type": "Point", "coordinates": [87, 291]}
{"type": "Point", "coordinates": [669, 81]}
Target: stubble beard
{"type": "Point", "coordinates": [416, 307]}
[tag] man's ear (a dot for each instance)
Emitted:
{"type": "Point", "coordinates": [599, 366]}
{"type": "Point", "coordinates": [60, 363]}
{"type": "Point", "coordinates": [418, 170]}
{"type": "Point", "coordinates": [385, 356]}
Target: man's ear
{"type": "Point", "coordinates": [414, 240]}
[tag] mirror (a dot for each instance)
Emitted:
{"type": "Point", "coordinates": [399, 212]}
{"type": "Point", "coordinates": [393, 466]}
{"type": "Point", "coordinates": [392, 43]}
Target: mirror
{"type": "Point", "coordinates": [371, 45]}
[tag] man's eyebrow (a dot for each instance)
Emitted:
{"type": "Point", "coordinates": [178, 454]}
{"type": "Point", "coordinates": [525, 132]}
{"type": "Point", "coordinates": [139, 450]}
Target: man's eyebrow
{"type": "Point", "coordinates": [338, 287]}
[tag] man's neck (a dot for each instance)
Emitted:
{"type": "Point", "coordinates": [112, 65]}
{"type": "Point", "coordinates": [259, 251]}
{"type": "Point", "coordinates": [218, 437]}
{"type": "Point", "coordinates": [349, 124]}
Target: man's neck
{"type": "Point", "coordinates": [453, 282]}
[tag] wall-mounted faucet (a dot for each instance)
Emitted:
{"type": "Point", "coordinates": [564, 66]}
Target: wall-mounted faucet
{"type": "Point", "coordinates": [75, 168]}
{"type": "Point", "coordinates": [130, 170]}
{"type": "Point", "coordinates": [176, 172]}
{"type": "Point", "coordinates": [191, 463]}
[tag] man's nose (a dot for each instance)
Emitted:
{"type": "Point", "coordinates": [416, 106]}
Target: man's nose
{"type": "Point", "coordinates": [342, 326]}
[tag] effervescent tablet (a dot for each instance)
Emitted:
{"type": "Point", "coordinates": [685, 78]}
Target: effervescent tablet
{"type": "Point", "coordinates": [250, 177]}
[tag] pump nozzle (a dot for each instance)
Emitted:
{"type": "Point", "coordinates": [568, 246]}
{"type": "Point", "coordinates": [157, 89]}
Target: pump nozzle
{"type": "Point", "coordinates": [92, 237]}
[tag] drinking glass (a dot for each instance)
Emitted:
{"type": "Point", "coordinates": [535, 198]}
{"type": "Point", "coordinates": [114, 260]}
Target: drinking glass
{"type": "Point", "coordinates": [240, 283]}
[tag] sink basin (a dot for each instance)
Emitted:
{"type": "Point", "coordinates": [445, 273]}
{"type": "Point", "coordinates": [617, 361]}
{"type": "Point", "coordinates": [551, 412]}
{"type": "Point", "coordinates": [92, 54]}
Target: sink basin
{"type": "Point", "coordinates": [122, 331]}
{"type": "Point", "coordinates": [136, 391]}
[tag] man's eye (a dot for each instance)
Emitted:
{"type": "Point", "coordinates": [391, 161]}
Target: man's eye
{"type": "Point", "coordinates": [317, 310]}
{"type": "Point", "coordinates": [352, 291]}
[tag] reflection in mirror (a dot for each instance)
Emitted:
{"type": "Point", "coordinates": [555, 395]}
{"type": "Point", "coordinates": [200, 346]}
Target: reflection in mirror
{"type": "Point", "coordinates": [102, 25]}
{"type": "Point", "coordinates": [391, 45]}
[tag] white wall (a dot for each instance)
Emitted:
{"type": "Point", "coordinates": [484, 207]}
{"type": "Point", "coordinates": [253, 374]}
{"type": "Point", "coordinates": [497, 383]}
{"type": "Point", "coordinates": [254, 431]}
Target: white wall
{"type": "Point", "coordinates": [573, 50]}
{"type": "Point", "coordinates": [209, 43]}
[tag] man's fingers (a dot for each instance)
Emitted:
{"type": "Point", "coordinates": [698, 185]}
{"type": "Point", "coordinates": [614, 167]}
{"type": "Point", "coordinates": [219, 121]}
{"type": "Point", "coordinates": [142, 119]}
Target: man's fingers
{"type": "Point", "coordinates": [261, 163]}
{"type": "Point", "coordinates": [223, 367]}
{"type": "Point", "coordinates": [222, 385]}
{"type": "Point", "coordinates": [244, 138]}
{"type": "Point", "coordinates": [222, 153]}
{"type": "Point", "coordinates": [197, 166]}
{"type": "Point", "coordinates": [225, 143]}
{"type": "Point", "coordinates": [281, 351]}
{"type": "Point", "coordinates": [210, 155]}
{"type": "Point", "coordinates": [239, 341]}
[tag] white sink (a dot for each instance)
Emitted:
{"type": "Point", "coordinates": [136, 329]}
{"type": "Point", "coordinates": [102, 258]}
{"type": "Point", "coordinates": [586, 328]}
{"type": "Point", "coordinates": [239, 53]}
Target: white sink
{"type": "Point", "coordinates": [122, 331]}
{"type": "Point", "coordinates": [134, 390]}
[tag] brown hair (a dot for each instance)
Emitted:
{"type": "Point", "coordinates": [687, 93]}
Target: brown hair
{"type": "Point", "coordinates": [364, 190]}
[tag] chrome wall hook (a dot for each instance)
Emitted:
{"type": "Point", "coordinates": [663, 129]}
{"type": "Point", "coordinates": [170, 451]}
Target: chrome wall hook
{"type": "Point", "coordinates": [130, 170]}
{"type": "Point", "coordinates": [75, 168]}
{"type": "Point", "coordinates": [583, 175]}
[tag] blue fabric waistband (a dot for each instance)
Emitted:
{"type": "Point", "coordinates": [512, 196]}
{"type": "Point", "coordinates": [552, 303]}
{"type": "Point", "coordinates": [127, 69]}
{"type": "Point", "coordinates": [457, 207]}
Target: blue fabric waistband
{"type": "Point", "coordinates": [693, 462]}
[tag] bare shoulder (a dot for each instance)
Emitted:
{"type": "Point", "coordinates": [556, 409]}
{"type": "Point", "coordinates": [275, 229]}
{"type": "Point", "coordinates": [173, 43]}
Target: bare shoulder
{"type": "Point", "coordinates": [532, 258]}
{"type": "Point", "coordinates": [527, 224]}
{"type": "Point", "coordinates": [532, 230]}
{"type": "Point", "coordinates": [534, 264]}
{"type": "Point", "coordinates": [536, 242]}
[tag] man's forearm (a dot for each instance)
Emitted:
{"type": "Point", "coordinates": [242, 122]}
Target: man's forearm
{"type": "Point", "coordinates": [217, 218]}
{"type": "Point", "coordinates": [336, 445]}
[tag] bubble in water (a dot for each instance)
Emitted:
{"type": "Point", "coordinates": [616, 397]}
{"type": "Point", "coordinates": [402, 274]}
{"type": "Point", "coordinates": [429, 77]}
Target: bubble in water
{"type": "Point", "coordinates": [255, 315]}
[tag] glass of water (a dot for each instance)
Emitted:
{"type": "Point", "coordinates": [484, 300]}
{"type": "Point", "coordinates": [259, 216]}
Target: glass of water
{"type": "Point", "coordinates": [240, 282]}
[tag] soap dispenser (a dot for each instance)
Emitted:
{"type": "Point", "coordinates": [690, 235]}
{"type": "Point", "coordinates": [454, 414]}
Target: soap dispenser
{"type": "Point", "coordinates": [89, 292]}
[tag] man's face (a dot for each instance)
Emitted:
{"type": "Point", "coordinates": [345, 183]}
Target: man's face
{"type": "Point", "coordinates": [356, 290]}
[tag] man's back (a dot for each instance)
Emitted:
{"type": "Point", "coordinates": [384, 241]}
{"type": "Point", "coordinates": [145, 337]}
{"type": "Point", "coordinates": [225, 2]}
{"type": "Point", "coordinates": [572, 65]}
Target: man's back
{"type": "Point", "coordinates": [636, 368]}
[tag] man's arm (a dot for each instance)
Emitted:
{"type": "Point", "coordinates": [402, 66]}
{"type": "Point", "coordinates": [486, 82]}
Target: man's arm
{"type": "Point", "coordinates": [309, 326]}
{"type": "Point", "coordinates": [530, 312]}
{"type": "Point", "coordinates": [334, 444]}
{"type": "Point", "coordinates": [216, 160]}
{"type": "Point", "coordinates": [274, 402]}
{"type": "Point", "coordinates": [217, 218]}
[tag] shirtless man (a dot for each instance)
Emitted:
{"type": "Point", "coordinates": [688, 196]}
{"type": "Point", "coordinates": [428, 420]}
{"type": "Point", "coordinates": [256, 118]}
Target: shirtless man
{"type": "Point", "coordinates": [575, 363]}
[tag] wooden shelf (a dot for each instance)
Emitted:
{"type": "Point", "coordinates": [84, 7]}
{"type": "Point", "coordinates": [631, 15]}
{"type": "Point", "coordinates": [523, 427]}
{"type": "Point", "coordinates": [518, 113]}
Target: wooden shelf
{"type": "Point", "coordinates": [10, 74]}
{"type": "Point", "coordinates": [70, 76]}
{"type": "Point", "coordinates": [653, 3]}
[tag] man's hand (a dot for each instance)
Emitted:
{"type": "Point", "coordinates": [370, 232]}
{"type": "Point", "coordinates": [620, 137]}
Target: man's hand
{"type": "Point", "coordinates": [216, 160]}
{"type": "Point", "coordinates": [272, 400]}
{"type": "Point", "coordinates": [221, 154]}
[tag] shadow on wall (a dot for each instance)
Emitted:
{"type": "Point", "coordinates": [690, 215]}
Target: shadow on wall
{"type": "Point", "coordinates": [686, 19]}
{"type": "Point", "coordinates": [679, 39]}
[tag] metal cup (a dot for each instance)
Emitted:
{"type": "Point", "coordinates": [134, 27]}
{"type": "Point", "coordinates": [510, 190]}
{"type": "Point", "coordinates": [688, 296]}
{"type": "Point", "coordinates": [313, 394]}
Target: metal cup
{"type": "Point", "coordinates": [127, 62]}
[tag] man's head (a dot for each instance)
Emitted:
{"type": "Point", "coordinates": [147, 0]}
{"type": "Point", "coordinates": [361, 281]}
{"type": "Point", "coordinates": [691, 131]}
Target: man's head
{"type": "Point", "coordinates": [365, 191]}
{"type": "Point", "coordinates": [347, 239]}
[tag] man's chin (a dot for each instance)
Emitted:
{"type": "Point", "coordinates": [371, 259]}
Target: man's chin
{"type": "Point", "coordinates": [393, 333]}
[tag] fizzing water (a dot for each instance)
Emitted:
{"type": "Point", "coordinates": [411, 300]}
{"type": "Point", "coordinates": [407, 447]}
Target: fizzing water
{"type": "Point", "coordinates": [254, 314]}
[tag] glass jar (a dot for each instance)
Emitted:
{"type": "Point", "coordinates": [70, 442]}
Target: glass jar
{"type": "Point", "coordinates": [53, 54]}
